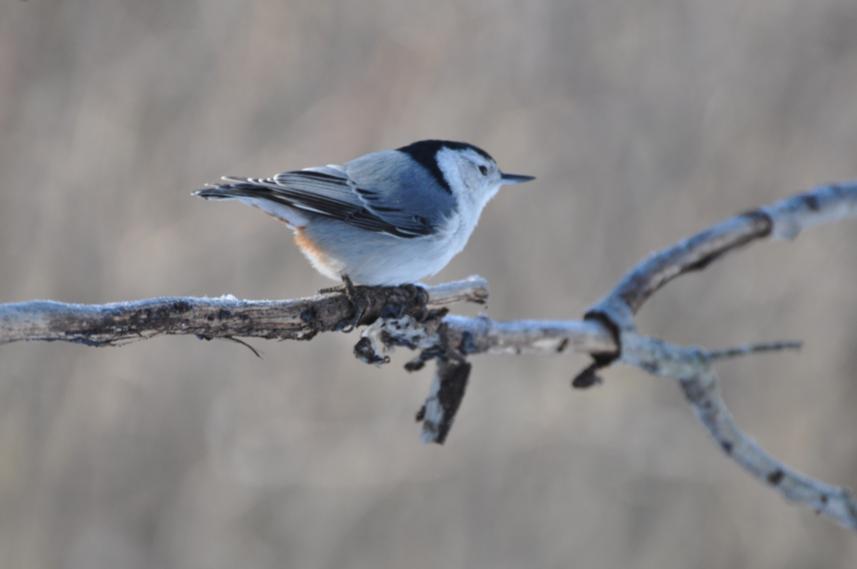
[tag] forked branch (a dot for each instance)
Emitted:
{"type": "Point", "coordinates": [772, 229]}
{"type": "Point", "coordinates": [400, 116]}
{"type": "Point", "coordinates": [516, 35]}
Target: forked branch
{"type": "Point", "coordinates": [691, 367]}
{"type": "Point", "coordinates": [415, 318]}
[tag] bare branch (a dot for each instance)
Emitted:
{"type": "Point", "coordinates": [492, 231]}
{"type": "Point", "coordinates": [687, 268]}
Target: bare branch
{"type": "Point", "coordinates": [413, 317]}
{"type": "Point", "coordinates": [701, 388]}
{"type": "Point", "coordinates": [783, 220]}
{"type": "Point", "coordinates": [691, 366]}
{"type": "Point", "coordinates": [445, 395]}
{"type": "Point", "coordinates": [751, 349]}
{"type": "Point", "coordinates": [451, 339]}
{"type": "Point", "coordinates": [223, 317]}
{"type": "Point", "coordinates": [542, 337]}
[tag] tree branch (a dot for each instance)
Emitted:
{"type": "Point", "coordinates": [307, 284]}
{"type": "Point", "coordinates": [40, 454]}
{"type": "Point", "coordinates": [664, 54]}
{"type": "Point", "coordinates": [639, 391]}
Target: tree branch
{"type": "Point", "coordinates": [118, 323]}
{"type": "Point", "coordinates": [784, 219]}
{"type": "Point", "coordinates": [701, 387]}
{"type": "Point", "coordinates": [414, 317]}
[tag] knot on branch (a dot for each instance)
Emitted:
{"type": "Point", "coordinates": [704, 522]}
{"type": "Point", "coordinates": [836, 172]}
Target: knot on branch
{"type": "Point", "coordinates": [589, 376]}
{"type": "Point", "coordinates": [447, 391]}
{"type": "Point", "coordinates": [435, 340]}
{"type": "Point", "coordinates": [386, 334]}
{"type": "Point", "coordinates": [366, 304]}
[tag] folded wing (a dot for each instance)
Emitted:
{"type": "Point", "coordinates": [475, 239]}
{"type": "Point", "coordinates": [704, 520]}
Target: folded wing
{"type": "Point", "coordinates": [329, 191]}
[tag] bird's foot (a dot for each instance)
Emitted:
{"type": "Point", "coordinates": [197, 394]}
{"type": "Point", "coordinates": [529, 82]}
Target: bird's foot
{"type": "Point", "coordinates": [358, 303]}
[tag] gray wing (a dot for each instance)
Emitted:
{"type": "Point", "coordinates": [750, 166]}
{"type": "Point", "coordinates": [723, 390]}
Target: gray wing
{"type": "Point", "coordinates": [400, 190]}
{"type": "Point", "coordinates": [377, 192]}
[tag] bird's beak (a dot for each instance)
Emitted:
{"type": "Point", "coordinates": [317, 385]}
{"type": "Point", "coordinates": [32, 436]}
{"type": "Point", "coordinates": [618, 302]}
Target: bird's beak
{"type": "Point", "coordinates": [510, 179]}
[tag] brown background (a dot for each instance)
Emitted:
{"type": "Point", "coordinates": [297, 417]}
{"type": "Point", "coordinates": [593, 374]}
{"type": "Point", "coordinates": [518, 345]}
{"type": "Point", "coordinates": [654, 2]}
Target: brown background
{"type": "Point", "coordinates": [644, 121]}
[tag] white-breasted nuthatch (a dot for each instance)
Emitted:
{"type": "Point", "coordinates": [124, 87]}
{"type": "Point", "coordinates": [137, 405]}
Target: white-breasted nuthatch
{"type": "Point", "coordinates": [385, 218]}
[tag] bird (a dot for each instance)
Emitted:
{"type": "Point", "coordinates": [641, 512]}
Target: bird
{"type": "Point", "coordinates": [386, 218]}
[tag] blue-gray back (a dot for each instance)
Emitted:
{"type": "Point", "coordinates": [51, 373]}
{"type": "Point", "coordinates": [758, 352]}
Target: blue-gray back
{"type": "Point", "coordinates": [400, 190]}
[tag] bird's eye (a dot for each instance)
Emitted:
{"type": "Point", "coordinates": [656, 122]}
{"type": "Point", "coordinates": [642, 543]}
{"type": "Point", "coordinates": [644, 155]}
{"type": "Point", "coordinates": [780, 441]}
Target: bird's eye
{"type": "Point", "coordinates": [483, 170]}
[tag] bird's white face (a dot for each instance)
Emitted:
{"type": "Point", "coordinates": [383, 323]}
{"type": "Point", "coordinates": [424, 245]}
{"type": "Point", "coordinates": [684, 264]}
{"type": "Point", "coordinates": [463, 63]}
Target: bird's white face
{"type": "Point", "coordinates": [473, 178]}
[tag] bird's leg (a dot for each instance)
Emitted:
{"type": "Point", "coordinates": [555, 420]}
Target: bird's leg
{"type": "Point", "coordinates": [399, 300]}
{"type": "Point", "coordinates": [346, 286]}
{"type": "Point", "coordinates": [358, 302]}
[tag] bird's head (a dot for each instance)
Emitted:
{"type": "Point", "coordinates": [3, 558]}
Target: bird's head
{"type": "Point", "coordinates": [465, 170]}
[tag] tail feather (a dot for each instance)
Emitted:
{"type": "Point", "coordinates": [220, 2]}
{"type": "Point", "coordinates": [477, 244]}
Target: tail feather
{"type": "Point", "coordinates": [231, 191]}
{"type": "Point", "coordinates": [257, 196]}
{"type": "Point", "coordinates": [210, 193]}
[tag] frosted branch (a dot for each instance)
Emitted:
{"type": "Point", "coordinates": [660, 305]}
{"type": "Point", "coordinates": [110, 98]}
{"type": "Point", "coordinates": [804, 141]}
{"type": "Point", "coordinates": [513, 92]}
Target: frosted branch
{"type": "Point", "coordinates": [415, 318]}
{"type": "Point", "coordinates": [701, 387]}
{"type": "Point", "coordinates": [222, 317]}
{"type": "Point", "coordinates": [690, 367]}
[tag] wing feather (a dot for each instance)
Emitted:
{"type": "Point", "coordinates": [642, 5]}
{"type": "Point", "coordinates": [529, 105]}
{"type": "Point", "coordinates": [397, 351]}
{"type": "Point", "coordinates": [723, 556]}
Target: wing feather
{"type": "Point", "coordinates": [330, 192]}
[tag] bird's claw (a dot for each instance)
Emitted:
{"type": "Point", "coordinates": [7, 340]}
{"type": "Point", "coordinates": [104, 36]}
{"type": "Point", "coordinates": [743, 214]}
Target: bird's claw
{"type": "Point", "coordinates": [358, 303]}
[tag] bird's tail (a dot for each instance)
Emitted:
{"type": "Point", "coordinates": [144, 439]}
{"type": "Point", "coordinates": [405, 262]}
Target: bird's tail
{"type": "Point", "coordinates": [234, 188]}
{"type": "Point", "coordinates": [252, 193]}
{"type": "Point", "coordinates": [214, 193]}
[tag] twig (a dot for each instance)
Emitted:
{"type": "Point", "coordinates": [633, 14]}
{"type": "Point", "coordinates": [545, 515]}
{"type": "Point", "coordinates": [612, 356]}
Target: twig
{"type": "Point", "coordinates": [751, 349]}
{"type": "Point", "coordinates": [445, 395]}
{"type": "Point", "coordinates": [247, 345]}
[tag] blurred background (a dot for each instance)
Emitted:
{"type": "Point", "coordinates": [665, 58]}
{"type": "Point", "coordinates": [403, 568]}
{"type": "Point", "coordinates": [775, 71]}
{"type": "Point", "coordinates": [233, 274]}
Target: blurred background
{"type": "Point", "coordinates": [643, 121]}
